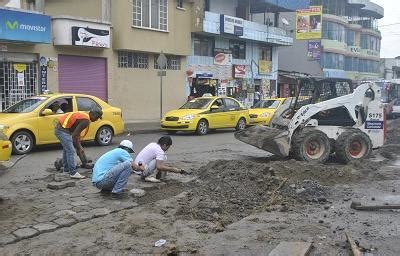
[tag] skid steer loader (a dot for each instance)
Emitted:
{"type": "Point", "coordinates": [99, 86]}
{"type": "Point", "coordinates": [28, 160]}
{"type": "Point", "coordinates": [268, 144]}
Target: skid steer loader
{"type": "Point", "coordinates": [311, 128]}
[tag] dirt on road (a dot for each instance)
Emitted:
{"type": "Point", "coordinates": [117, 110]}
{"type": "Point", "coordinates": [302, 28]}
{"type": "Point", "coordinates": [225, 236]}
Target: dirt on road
{"type": "Point", "coordinates": [242, 207]}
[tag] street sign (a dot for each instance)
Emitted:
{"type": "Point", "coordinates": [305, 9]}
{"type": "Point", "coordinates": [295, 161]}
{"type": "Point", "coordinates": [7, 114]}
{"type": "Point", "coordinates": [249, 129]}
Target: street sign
{"type": "Point", "coordinates": [161, 73]}
{"type": "Point", "coordinates": [162, 61]}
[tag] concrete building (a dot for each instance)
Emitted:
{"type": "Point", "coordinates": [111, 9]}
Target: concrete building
{"type": "Point", "coordinates": [235, 47]}
{"type": "Point", "coordinates": [100, 47]}
{"type": "Point", "coordinates": [390, 68]}
{"type": "Point", "coordinates": [350, 43]}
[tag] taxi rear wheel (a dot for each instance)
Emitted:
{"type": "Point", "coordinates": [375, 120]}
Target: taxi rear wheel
{"type": "Point", "coordinates": [202, 127]}
{"type": "Point", "coordinates": [104, 136]}
{"type": "Point", "coordinates": [22, 142]}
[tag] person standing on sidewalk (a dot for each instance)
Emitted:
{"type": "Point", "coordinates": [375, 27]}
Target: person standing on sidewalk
{"type": "Point", "coordinates": [112, 170]}
{"type": "Point", "coordinates": [153, 158]}
{"type": "Point", "coordinates": [68, 131]}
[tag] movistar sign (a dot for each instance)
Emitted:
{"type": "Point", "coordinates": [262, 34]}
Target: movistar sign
{"type": "Point", "coordinates": [24, 26]}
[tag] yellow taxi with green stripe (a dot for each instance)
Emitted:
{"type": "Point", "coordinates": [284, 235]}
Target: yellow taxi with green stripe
{"type": "Point", "coordinates": [263, 111]}
{"type": "Point", "coordinates": [202, 114]}
{"type": "Point", "coordinates": [31, 121]}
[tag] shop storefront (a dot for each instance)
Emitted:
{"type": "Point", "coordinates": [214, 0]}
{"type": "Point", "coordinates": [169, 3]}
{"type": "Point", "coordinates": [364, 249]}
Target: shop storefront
{"type": "Point", "coordinates": [19, 71]}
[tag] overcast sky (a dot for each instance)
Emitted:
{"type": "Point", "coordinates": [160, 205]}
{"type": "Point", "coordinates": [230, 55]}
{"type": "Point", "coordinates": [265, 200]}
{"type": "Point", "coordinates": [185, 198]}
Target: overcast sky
{"type": "Point", "coordinates": [390, 34]}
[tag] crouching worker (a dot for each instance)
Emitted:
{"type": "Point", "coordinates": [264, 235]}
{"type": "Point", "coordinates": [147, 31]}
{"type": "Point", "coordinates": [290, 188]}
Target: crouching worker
{"type": "Point", "coordinates": [112, 170]}
{"type": "Point", "coordinates": [153, 158]}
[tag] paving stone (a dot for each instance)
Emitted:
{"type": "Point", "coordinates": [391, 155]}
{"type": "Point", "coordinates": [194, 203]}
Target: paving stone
{"type": "Point", "coordinates": [64, 213]}
{"type": "Point", "coordinates": [62, 206]}
{"type": "Point", "coordinates": [98, 212]}
{"type": "Point", "coordinates": [78, 198]}
{"type": "Point", "coordinates": [79, 203]}
{"type": "Point", "coordinates": [137, 192]}
{"type": "Point", "coordinates": [291, 248]}
{"type": "Point", "coordinates": [84, 208]}
{"type": "Point", "coordinates": [7, 239]}
{"type": "Point", "coordinates": [84, 216]}
{"type": "Point", "coordinates": [98, 204]}
{"type": "Point", "coordinates": [45, 218]}
{"type": "Point", "coordinates": [61, 177]}
{"type": "Point", "coordinates": [61, 185]}
{"type": "Point", "coordinates": [45, 227]}
{"type": "Point", "coordinates": [23, 233]}
{"type": "Point", "coordinates": [122, 205]}
{"type": "Point", "coordinates": [65, 222]}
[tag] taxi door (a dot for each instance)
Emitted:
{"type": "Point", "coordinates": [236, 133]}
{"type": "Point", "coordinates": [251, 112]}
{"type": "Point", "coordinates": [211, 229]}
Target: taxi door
{"type": "Point", "coordinates": [232, 112]}
{"type": "Point", "coordinates": [46, 123]}
{"type": "Point", "coordinates": [217, 118]}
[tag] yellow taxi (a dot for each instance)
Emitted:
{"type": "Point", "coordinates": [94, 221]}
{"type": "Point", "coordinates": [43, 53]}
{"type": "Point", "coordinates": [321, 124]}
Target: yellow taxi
{"type": "Point", "coordinates": [31, 121]}
{"type": "Point", "coordinates": [263, 111]}
{"type": "Point", "coordinates": [202, 114]}
{"type": "Point", "coordinates": [5, 148]}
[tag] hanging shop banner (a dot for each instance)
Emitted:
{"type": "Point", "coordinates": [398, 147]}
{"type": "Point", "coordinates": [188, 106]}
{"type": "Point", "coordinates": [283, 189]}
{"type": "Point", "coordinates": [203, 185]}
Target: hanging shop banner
{"type": "Point", "coordinates": [231, 25]}
{"type": "Point", "coordinates": [309, 23]}
{"type": "Point", "coordinates": [314, 50]}
{"type": "Point", "coordinates": [90, 37]}
{"type": "Point", "coordinates": [43, 78]}
{"type": "Point", "coordinates": [25, 26]}
{"type": "Point", "coordinates": [239, 71]}
{"type": "Point", "coordinates": [223, 59]}
{"type": "Point", "coordinates": [264, 67]}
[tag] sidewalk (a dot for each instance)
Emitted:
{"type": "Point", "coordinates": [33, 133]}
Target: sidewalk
{"type": "Point", "coordinates": [142, 127]}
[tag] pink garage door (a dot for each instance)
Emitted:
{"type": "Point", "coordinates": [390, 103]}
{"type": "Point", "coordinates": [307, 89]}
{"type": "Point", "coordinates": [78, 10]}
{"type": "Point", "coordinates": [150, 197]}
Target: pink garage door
{"type": "Point", "coordinates": [86, 75]}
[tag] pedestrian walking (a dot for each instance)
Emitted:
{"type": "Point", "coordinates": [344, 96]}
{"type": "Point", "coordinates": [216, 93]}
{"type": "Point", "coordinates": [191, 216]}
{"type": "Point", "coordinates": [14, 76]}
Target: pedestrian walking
{"type": "Point", "coordinates": [153, 158]}
{"type": "Point", "coordinates": [68, 130]}
{"type": "Point", "coordinates": [112, 170]}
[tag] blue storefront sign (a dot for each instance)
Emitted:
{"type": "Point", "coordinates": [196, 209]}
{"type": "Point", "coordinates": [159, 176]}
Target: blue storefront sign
{"type": "Point", "coordinates": [24, 26]}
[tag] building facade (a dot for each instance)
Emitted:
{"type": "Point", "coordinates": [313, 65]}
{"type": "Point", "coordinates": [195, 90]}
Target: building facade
{"type": "Point", "coordinates": [350, 43]}
{"type": "Point", "coordinates": [390, 68]}
{"type": "Point", "coordinates": [100, 47]}
{"type": "Point", "coordinates": [234, 48]}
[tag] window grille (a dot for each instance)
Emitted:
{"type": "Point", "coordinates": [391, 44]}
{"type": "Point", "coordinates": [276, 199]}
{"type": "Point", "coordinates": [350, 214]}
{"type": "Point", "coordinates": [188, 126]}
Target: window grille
{"type": "Point", "coordinates": [133, 60]}
{"type": "Point", "coordinates": [173, 62]}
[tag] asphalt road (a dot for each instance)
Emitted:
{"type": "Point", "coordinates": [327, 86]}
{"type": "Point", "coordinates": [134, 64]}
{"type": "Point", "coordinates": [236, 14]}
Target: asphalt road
{"type": "Point", "coordinates": [188, 151]}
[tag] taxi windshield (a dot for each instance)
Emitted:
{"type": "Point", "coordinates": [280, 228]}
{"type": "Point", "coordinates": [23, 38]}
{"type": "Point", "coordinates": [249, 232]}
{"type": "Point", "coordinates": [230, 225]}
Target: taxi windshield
{"type": "Point", "coordinates": [200, 103]}
{"type": "Point", "coordinates": [25, 106]}
{"type": "Point", "coordinates": [267, 104]}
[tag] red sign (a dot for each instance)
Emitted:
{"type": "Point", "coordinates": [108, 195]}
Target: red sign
{"type": "Point", "coordinates": [239, 71]}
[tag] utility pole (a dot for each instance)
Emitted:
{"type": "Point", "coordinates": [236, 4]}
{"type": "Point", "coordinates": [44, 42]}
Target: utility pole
{"type": "Point", "coordinates": [162, 64]}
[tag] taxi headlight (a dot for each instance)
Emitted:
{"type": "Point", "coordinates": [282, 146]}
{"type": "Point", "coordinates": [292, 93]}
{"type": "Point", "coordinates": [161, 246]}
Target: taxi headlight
{"type": "Point", "coordinates": [265, 114]}
{"type": "Point", "coordinates": [3, 127]}
{"type": "Point", "coordinates": [188, 117]}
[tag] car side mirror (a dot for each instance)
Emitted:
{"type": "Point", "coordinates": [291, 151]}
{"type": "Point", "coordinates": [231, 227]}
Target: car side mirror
{"type": "Point", "coordinates": [214, 107]}
{"type": "Point", "coordinates": [47, 112]}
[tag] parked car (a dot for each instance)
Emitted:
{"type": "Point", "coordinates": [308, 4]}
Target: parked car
{"type": "Point", "coordinates": [31, 122]}
{"type": "Point", "coordinates": [263, 111]}
{"type": "Point", "coordinates": [5, 147]}
{"type": "Point", "coordinates": [202, 114]}
{"type": "Point", "coordinates": [396, 109]}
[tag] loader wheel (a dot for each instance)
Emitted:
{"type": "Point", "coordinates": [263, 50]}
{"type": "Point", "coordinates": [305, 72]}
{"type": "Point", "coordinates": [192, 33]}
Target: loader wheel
{"type": "Point", "coordinates": [311, 145]}
{"type": "Point", "coordinates": [352, 145]}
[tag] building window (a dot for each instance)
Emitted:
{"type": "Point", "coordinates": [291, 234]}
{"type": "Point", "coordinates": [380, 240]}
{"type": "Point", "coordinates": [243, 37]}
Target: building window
{"type": "Point", "coordinates": [333, 31]}
{"type": "Point", "coordinates": [266, 53]}
{"type": "Point", "coordinates": [203, 46]}
{"type": "Point", "coordinates": [238, 49]}
{"type": "Point", "coordinates": [332, 61]}
{"type": "Point", "coordinates": [173, 62]}
{"type": "Point", "coordinates": [370, 42]}
{"type": "Point", "coordinates": [351, 37]}
{"type": "Point", "coordinates": [179, 4]}
{"type": "Point", "coordinates": [151, 14]}
{"type": "Point", "coordinates": [133, 60]}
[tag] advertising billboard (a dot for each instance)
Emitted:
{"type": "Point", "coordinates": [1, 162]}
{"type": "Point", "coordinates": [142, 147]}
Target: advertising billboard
{"type": "Point", "coordinates": [314, 50]}
{"type": "Point", "coordinates": [309, 23]}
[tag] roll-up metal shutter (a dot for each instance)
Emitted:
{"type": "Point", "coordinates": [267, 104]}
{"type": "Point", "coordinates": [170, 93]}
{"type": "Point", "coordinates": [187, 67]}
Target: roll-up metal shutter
{"type": "Point", "coordinates": [86, 75]}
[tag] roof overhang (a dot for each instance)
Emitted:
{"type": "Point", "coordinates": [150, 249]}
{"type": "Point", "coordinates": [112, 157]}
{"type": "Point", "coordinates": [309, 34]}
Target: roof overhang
{"type": "Point", "coordinates": [274, 6]}
{"type": "Point", "coordinates": [372, 10]}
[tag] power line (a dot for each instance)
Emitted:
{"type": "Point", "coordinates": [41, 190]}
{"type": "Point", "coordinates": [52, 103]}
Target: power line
{"type": "Point", "coordinates": [387, 25]}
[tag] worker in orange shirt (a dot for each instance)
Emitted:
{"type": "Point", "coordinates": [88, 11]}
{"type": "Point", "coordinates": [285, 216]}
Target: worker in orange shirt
{"type": "Point", "coordinates": [68, 131]}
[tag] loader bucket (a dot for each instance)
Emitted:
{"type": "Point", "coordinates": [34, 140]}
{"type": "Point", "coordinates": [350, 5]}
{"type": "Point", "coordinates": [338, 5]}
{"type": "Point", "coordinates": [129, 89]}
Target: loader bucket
{"type": "Point", "coordinates": [269, 139]}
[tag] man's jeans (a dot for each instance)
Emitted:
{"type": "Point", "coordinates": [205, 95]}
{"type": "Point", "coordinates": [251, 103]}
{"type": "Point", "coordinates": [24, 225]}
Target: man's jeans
{"type": "Point", "coordinates": [68, 150]}
{"type": "Point", "coordinates": [150, 168]}
{"type": "Point", "coordinates": [116, 178]}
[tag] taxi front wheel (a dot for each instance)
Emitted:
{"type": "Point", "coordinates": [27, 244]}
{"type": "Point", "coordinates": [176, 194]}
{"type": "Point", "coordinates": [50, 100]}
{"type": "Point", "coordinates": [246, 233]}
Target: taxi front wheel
{"type": "Point", "coordinates": [202, 127]}
{"type": "Point", "coordinates": [22, 142]}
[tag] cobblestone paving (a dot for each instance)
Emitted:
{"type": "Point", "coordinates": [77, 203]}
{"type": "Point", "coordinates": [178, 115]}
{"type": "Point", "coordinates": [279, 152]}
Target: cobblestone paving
{"type": "Point", "coordinates": [33, 207]}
